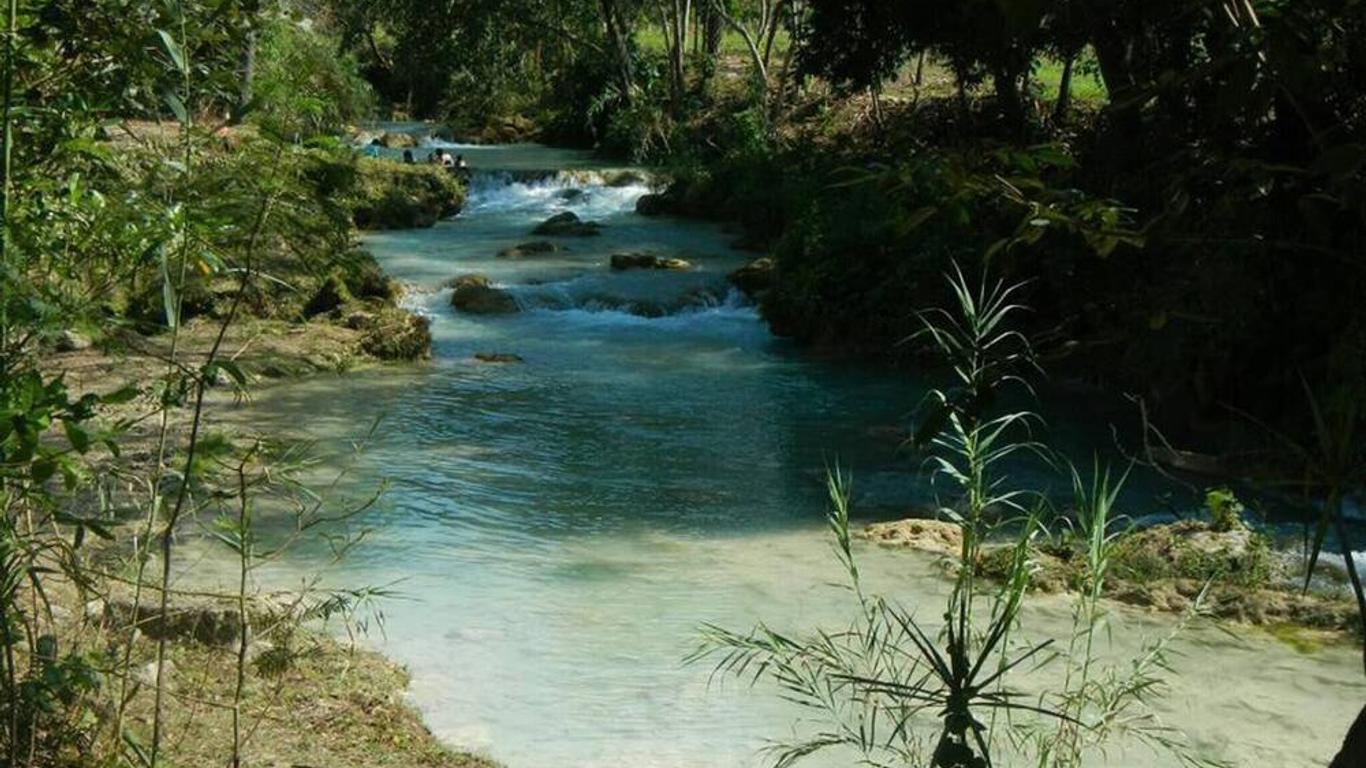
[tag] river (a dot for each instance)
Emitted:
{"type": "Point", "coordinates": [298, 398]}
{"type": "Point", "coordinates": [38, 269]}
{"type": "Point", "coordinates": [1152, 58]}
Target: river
{"type": "Point", "coordinates": [558, 529]}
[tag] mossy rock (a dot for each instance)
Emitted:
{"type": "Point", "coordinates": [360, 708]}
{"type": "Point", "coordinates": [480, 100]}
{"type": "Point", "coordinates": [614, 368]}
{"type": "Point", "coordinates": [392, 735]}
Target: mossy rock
{"type": "Point", "coordinates": [397, 335]}
{"type": "Point", "coordinates": [391, 195]}
{"type": "Point", "coordinates": [477, 296]}
{"type": "Point", "coordinates": [330, 297]}
{"type": "Point", "coordinates": [366, 280]}
{"type": "Point", "coordinates": [1193, 550]}
{"type": "Point", "coordinates": [755, 277]}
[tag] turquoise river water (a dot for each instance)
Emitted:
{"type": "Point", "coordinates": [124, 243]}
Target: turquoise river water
{"type": "Point", "coordinates": [558, 529]}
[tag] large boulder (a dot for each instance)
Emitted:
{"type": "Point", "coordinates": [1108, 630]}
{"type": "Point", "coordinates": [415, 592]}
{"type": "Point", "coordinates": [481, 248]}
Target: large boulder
{"type": "Point", "coordinates": [624, 261]}
{"type": "Point", "coordinates": [652, 205]}
{"type": "Point", "coordinates": [567, 224]}
{"type": "Point", "coordinates": [528, 250]}
{"type": "Point", "coordinates": [477, 296]}
{"type": "Point", "coordinates": [755, 277]}
{"type": "Point", "coordinates": [395, 140]}
{"type": "Point", "coordinates": [388, 195]}
{"type": "Point", "coordinates": [937, 536]}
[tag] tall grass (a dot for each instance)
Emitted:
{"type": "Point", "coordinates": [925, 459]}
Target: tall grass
{"type": "Point", "coordinates": [896, 691]}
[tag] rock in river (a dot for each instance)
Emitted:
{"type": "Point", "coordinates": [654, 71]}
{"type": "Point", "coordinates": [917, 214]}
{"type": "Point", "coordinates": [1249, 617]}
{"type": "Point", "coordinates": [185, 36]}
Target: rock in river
{"type": "Point", "coordinates": [567, 224]}
{"type": "Point", "coordinates": [622, 261]}
{"type": "Point", "coordinates": [755, 277]}
{"type": "Point", "coordinates": [497, 357]}
{"type": "Point", "coordinates": [475, 295]}
{"type": "Point", "coordinates": [395, 140]}
{"type": "Point", "coordinates": [652, 205]}
{"type": "Point", "coordinates": [937, 536]}
{"type": "Point", "coordinates": [525, 250]}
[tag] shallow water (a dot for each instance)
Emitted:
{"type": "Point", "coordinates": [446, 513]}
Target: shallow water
{"type": "Point", "coordinates": [560, 528]}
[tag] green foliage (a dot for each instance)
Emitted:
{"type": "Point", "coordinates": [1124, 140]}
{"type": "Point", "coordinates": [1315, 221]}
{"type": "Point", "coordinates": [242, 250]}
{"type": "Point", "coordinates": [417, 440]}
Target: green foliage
{"type": "Point", "coordinates": [303, 86]}
{"type": "Point", "coordinates": [1225, 511]}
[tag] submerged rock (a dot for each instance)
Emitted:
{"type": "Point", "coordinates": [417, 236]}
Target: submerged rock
{"type": "Point", "coordinates": [937, 536]}
{"type": "Point", "coordinates": [525, 250]}
{"type": "Point", "coordinates": [567, 224]}
{"type": "Point", "coordinates": [624, 261]}
{"type": "Point", "coordinates": [476, 295]}
{"type": "Point", "coordinates": [497, 357]}
{"type": "Point", "coordinates": [755, 277]}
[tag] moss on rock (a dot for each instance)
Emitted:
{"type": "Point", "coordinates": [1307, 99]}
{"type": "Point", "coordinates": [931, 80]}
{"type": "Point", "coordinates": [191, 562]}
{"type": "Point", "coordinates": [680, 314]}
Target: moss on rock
{"type": "Point", "coordinates": [389, 195]}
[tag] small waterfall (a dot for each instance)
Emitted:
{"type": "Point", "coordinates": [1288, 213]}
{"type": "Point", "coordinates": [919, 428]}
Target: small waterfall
{"type": "Point", "coordinates": [590, 193]}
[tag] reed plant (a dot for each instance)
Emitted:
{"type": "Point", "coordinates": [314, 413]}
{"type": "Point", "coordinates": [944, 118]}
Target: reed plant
{"type": "Point", "coordinates": [895, 689]}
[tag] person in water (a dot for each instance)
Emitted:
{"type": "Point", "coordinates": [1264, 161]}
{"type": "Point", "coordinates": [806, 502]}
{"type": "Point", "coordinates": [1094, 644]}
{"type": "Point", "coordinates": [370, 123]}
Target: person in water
{"type": "Point", "coordinates": [460, 164]}
{"type": "Point", "coordinates": [408, 157]}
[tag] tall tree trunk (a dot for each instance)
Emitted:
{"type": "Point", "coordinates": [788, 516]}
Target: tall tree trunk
{"type": "Point", "coordinates": [1008, 97]}
{"type": "Point", "coordinates": [755, 41]}
{"type": "Point", "coordinates": [1114, 53]}
{"type": "Point", "coordinates": [618, 38]}
{"type": "Point", "coordinates": [1064, 101]}
{"type": "Point", "coordinates": [247, 72]}
{"type": "Point", "coordinates": [713, 27]}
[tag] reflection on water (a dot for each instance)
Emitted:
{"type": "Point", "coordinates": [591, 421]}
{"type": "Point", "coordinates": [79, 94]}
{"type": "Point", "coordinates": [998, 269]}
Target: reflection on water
{"type": "Point", "coordinates": [561, 527]}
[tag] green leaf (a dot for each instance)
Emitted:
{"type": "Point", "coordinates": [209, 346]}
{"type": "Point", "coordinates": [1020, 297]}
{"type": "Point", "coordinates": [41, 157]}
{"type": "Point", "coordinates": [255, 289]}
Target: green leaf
{"type": "Point", "coordinates": [168, 292]}
{"type": "Point", "coordinates": [42, 470]}
{"type": "Point", "coordinates": [120, 396]}
{"type": "Point", "coordinates": [177, 107]}
{"type": "Point", "coordinates": [173, 50]}
{"type": "Point", "coordinates": [77, 436]}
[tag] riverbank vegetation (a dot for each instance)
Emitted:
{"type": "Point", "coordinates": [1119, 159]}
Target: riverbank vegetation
{"type": "Point", "coordinates": [178, 223]}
